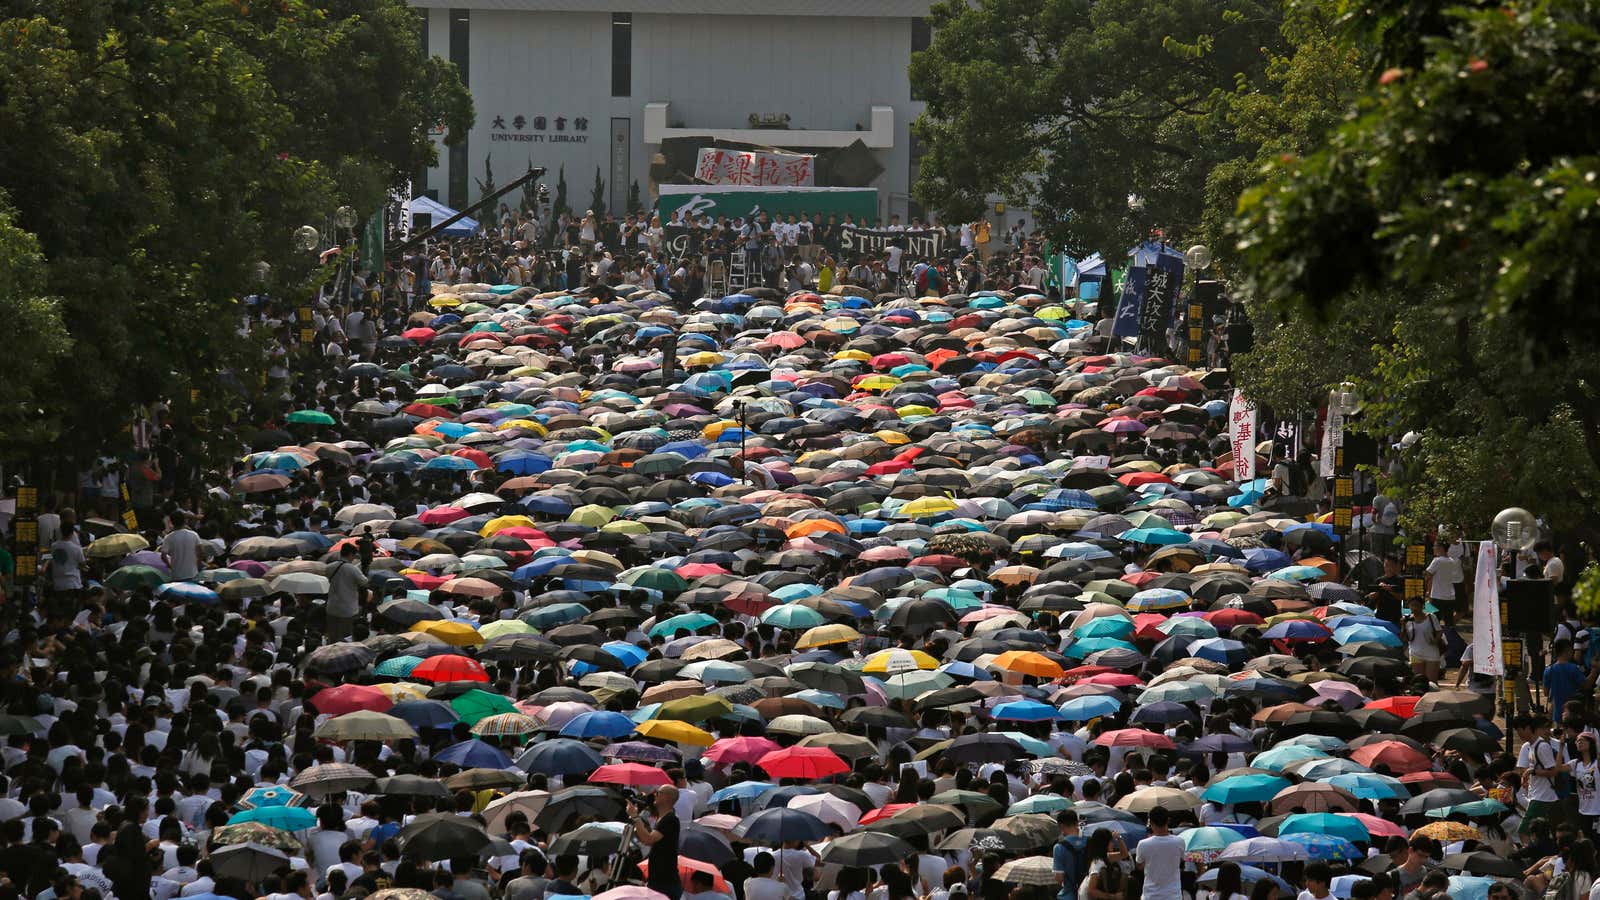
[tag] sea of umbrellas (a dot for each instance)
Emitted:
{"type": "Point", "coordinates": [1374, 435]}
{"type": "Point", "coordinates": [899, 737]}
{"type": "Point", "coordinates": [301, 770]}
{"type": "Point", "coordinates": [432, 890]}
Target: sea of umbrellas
{"type": "Point", "coordinates": [836, 532]}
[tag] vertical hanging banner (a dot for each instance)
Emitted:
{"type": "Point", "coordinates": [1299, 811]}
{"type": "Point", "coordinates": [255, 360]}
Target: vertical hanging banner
{"type": "Point", "coordinates": [1130, 303]}
{"type": "Point", "coordinates": [1332, 436]}
{"type": "Point", "coordinates": [1486, 658]}
{"type": "Point", "coordinates": [1242, 437]}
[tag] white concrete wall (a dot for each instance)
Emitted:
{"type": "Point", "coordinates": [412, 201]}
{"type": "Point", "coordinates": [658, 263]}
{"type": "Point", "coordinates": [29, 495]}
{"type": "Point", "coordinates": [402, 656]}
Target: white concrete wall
{"type": "Point", "coordinates": [825, 71]}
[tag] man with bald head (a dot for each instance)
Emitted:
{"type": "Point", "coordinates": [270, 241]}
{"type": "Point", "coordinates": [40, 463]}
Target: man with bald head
{"type": "Point", "coordinates": [662, 839]}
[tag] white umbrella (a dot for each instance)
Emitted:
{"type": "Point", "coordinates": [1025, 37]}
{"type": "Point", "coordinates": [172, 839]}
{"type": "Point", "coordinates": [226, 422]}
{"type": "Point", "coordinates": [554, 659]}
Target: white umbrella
{"type": "Point", "coordinates": [828, 808]}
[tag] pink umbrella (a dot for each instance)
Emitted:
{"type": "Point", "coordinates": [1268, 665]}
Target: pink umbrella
{"type": "Point", "coordinates": [151, 558]}
{"type": "Point", "coordinates": [630, 892]}
{"type": "Point", "coordinates": [249, 567]}
{"type": "Point", "coordinates": [1376, 826]}
{"type": "Point", "coordinates": [1343, 693]}
{"type": "Point", "coordinates": [558, 714]}
{"type": "Point", "coordinates": [631, 774]}
{"type": "Point", "coordinates": [346, 698]}
{"type": "Point", "coordinates": [1123, 426]}
{"type": "Point", "coordinates": [442, 515]}
{"type": "Point", "coordinates": [886, 554]}
{"type": "Point", "coordinates": [729, 751]}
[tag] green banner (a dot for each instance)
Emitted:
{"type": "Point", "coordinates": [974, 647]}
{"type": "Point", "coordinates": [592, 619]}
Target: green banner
{"type": "Point", "coordinates": [729, 201]}
{"type": "Point", "coordinates": [372, 244]}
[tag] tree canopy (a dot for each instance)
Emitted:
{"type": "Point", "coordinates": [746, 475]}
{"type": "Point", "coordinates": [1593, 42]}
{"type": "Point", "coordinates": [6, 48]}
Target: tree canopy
{"type": "Point", "coordinates": [155, 153]}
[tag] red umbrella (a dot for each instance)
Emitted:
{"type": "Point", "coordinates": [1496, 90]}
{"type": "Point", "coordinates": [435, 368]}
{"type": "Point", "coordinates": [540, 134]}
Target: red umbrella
{"type": "Point", "coordinates": [686, 869]}
{"type": "Point", "coordinates": [336, 701]}
{"type": "Point", "coordinates": [941, 561]}
{"type": "Point", "coordinates": [1422, 782]}
{"type": "Point", "coordinates": [1087, 671]}
{"type": "Point", "coordinates": [802, 762]}
{"type": "Point", "coordinates": [420, 335]}
{"type": "Point", "coordinates": [449, 667]}
{"type": "Point", "coordinates": [1140, 579]}
{"type": "Point", "coordinates": [700, 570]}
{"type": "Point", "coordinates": [1229, 619]}
{"type": "Point", "coordinates": [728, 751]}
{"type": "Point", "coordinates": [1404, 707]}
{"type": "Point", "coordinates": [631, 774]}
{"type": "Point", "coordinates": [427, 411]}
{"type": "Point", "coordinates": [1136, 479]}
{"type": "Point", "coordinates": [1134, 737]}
{"type": "Point", "coordinates": [427, 582]}
{"type": "Point", "coordinates": [442, 514]}
{"type": "Point", "coordinates": [477, 456]}
{"type": "Point", "coordinates": [1397, 756]}
{"type": "Point", "coordinates": [884, 812]}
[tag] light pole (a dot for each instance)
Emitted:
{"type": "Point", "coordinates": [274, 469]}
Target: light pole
{"type": "Point", "coordinates": [1514, 530]}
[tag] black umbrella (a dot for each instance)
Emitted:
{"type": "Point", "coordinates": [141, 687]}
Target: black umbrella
{"type": "Point", "coordinates": [867, 848]}
{"type": "Point", "coordinates": [412, 786]}
{"type": "Point", "coordinates": [571, 803]}
{"type": "Point", "coordinates": [1466, 740]}
{"type": "Point", "coordinates": [1438, 798]}
{"type": "Point", "coordinates": [442, 836]}
{"type": "Point", "coordinates": [777, 826]}
{"type": "Point", "coordinates": [593, 839]}
{"type": "Point", "coordinates": [984, 747]}
{"type": "Point", "coordinates": [1482, 862]}
{"type": "Point", "coordinates": [249, 861]}
{"type": "Point", "coordinates": [560, 756]}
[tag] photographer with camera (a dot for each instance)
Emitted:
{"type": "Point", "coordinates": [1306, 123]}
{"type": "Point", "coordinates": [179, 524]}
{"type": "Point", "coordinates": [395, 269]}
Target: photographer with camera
{"type": "Point", "coordinates": [662, 839]}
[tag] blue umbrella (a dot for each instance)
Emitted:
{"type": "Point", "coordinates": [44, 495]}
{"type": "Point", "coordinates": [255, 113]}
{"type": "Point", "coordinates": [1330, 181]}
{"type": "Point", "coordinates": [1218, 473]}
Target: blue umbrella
{"type": "Point", "coordinates": [270, 795]}
{"type": "Point", "coordinates": [1245, 789]}
{"type": "Point", "coordinates": [776, 826]}
{"type": "Point", "coordinates": [1370, 786]}
{"type": "Point", "coordinates": [474, 754]}
{"type": "Point", "coordinates": [287, 818]}
{"type": "Point", "coordinates": [744, 790]}
{"type": "Point", "coordinates": [630, 654]}
{"type": "Point", "coordinates": [1354, 634]}
{"type": "Point", "coordinates": [1026, 711]}
{"type": "Point", "coordinates": [1323, 846]}
{"type": "Point", "coordinates": [1332, 824]}
{"type": "Point", "coordinates": [397, 666]}
{"type": "Point", "coordinates": [1296, 630]}
{"type": "Point", "coordinates": [1094, 706]}
{"type": "Point", "coordinates": [1229, 652]}
{"type": "Point", "coordinates": [600, 723]}
{"type": "Point", "coordinates": [425, 713]}
{"type": "Point", "coordinates": [188, 592]}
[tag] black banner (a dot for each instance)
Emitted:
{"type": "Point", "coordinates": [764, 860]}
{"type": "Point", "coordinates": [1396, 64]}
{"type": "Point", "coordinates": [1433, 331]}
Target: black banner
{"type": "Point", "coordinates": [925, 243]}
{"type": "Point", "coordinates": [677, 241]}
{"type": "Point", "coordinates": [1156, 315]}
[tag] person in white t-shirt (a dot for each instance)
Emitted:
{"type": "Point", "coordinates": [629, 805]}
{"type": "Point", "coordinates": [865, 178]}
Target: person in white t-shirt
{"type": "Point", "coordinates": [1161, 857]}
{"type": "Point", "coordinates": [181, 549]}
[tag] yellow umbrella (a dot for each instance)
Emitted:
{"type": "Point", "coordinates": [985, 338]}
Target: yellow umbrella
{"type": "Point", "coordinates": [501, 522]}
{"type": "Point", "coordinates": [895, 661]}
{"type": "Point", "coordinates": [403, 690]}
{"type": "Point", "coordinates": [878, 383]}
{"type": "Point", "coordinates": [598, 557]}
{"type": "Point", "coordinates": [892, 437]}
{"type": "Point", "coordinates": [923, 507]}
{"type": "Point", "coordinates": [444, 301]}
{"type": "Point", "coordinates": [715, 429]}
{"type": "Point", "coordinates": [522, 425]}
{"type": "Point", "coordinates": [592, 515]}
{"type": "Point", "coordinates": [456, 634]}
{"type": "Point", "coordinates": [625, 526]}
{"type": "Point", "coordinates": [824, 635]}
{"type": "Point", "coordinates": [505, 626]}
{"type": "Point", "coordinates": [115, 545]}
{"type": "Point", "coordinates": [853, 354]}
{"type": "Point", "coordinates": [703, 358]}
{"type": "Point", "coordinates": [915, 409]}
{"type": "Point", "coordinates": [675, 730]}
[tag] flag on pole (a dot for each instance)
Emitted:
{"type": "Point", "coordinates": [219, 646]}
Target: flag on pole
{"type": "Point", "coordinates": [1486, 658]}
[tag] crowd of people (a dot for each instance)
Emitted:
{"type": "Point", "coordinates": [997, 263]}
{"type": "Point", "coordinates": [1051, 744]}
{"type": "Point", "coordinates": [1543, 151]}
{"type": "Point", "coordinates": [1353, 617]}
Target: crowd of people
{"type": "Point", "coordinates": [783, 252]}
{"type": "Point", "coordinates": [524, 588]}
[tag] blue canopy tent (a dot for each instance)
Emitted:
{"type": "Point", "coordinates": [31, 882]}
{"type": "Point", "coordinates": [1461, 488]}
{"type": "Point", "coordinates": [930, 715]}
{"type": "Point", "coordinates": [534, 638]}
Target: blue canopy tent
{"type": "Point", "coordinates": [440, 212]}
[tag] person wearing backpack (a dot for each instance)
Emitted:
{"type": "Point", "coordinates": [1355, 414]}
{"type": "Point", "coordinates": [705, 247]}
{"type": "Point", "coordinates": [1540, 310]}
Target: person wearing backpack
{"type": "Point", "coordinates": [1069, 855]}
{"type": "Point", "coordinates": [1424, 638]}
{"type": "Point", "coordinates": [1540, 762]}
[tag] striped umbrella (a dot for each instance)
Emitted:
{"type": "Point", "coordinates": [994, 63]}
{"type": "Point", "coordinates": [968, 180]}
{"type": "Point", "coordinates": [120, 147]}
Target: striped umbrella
{"type": "Point", "coordinates": [513, 724]}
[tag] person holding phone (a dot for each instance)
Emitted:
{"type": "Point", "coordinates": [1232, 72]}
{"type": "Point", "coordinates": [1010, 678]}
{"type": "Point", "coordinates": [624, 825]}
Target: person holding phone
{"type": "Point", "coordinates": [661, 839]}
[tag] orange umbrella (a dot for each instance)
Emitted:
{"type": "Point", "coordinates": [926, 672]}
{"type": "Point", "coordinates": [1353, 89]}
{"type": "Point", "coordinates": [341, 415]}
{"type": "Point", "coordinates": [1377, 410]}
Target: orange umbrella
{"type": "Point", "coordinates": [1397, 756]}
{"type": "Point", "coordinates": [1028, 662]}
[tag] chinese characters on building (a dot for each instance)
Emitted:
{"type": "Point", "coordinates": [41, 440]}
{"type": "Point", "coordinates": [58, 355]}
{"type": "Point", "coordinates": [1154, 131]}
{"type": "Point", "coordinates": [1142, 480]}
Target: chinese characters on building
{"type": "Point", "coordinates": [540, 129]}
{"type": "Point", "coordinates": [754, 168]}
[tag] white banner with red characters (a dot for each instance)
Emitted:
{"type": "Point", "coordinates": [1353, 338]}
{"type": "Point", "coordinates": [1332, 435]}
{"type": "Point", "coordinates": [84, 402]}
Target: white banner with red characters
{"type": "Point", "coordinates": [1242, 437]}
{"type": "Point", "coordinates": [755, 168]}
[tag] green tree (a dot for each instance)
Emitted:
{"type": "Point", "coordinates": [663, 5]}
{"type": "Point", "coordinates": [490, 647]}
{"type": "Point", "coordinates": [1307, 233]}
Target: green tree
{"type": "Point", "coordinates": [561, 205]}
{"type": "Point", "coordinates": [39, 339]}
{"type": "Point", "coordinates": [1071, 106]}
{"type": "Point", "coordinates": [597, 194]}
{"type": "Point", "coordinates": [157, 152]}
{"type": "Point", "coordinates": [1462, 188]}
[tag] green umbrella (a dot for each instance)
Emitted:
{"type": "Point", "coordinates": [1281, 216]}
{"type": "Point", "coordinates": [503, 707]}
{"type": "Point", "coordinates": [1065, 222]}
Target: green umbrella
{"type": "Point", "coordinates": [907, 685]}
{"type": "Point", "coordinates": [130, 578]}
{"type": "Point", "coordinates": [397, 666]}
{"type": "Point", "coordinates": [480, 704]}
{"type": "Point", "coordinates": [652, 578]}
{"type": "Point", "coordinates": [309, 417]}
{"type": "Point", "coordinates": [698, 708]}
{"type": "Point", "coordinates": [690, 622]}
{"type": "Point", "coordinates": [789, 615]}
